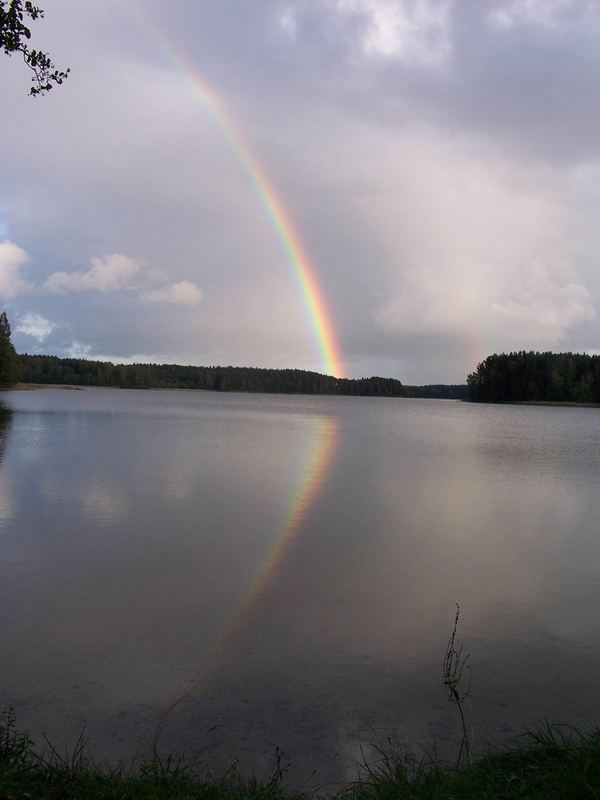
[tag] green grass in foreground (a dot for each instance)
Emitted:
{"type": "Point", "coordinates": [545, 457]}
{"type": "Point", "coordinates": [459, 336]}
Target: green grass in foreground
{"type": "Point", "coordinates": [553, 763]}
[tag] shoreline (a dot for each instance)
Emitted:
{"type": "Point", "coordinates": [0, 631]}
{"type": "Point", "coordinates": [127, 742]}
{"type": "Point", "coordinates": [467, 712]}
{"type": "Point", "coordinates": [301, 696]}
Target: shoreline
{"type": "Point", "coordinates": [561, 403]}
{"type": "Point", "coordinates": [31, 387]}
{"type": "Point", "coordinates": [27, 387]}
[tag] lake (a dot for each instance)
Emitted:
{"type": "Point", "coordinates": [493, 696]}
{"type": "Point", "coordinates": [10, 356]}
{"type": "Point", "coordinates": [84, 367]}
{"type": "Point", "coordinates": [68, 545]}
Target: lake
{"type": "Point", "coordinates": [234, 573]}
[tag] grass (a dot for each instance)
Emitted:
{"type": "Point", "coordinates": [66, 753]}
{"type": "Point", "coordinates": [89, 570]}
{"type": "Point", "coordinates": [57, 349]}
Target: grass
{"type": "Point", "coordinates": [25, 774]}
{"type": "Point", "coordinates": [550, 763]}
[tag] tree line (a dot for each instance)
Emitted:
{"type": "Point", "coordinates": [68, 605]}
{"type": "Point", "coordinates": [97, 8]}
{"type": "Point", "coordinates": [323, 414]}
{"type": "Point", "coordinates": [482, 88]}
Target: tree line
{"type": "Point", "coordinates": [84, 372]}
{"type": "Point", "coordinates": [10, 364]}
{"type": "Point", "coordinates": [500, 378]}
{"type": "Point", "coordinates": [44, 369]}
{"type": "Point", "coordinates": [534, 376]}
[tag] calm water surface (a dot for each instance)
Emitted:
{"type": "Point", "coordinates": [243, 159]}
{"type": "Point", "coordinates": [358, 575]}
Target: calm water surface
{"type": "Point", "coordinates": [262, 571]}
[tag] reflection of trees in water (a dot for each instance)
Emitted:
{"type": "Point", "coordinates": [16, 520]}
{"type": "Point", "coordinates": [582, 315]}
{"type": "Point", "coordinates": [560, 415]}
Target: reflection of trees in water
{"type": "Point", "coordinates": [5, 423]}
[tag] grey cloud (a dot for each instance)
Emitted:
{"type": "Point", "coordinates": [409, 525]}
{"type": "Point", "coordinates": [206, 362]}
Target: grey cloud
{"type": "Point", "coordinates": [441, 173]}
{"type": "Point", "coordinates": [529, 86]}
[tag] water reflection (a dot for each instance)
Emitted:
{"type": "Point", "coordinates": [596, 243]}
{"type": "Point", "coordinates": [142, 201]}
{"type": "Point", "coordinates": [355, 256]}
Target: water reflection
{"type": "Point", "coordinates": [6, 502]}
{"type": "Point", "coordinates": [313, 476]}
{"type": "Point", "coordinates": [6, 415]}
{"type": "Point", "coordinates": [104, 502]}
{"type": "Point", "coordinates": [283, 570]}
{"type": "Point", "coordinates": [321, 449]}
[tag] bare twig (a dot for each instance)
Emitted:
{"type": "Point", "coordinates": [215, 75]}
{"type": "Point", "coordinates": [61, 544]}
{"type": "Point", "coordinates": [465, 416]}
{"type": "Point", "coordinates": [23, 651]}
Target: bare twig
{"type": "Point", "coordinates": [454, 666]}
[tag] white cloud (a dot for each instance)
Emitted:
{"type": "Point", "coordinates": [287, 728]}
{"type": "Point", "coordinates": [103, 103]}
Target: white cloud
{"type": "Point", "coordinates": [117, 272]}
{"type": "Point", "coordinates": [108, 274]}
{"type": "Point", "coordinates": [545, 13]}
{"type": "Point", "coordinates": [12, 258]}
{"type": "Point", "coordinates": [410, 30]}
{"type": "Point", "coordinates": [78, 350]}
{"type": "Point", "coordinates": [288, 21]}
{"type": "Point", "coordinates": [35, 325]}
{"type": "Point", "coordinates": [182, 293]}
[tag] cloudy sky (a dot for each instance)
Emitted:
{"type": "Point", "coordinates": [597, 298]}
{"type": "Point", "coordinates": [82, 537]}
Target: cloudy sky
{"type": "Point", "coordinates": [439, 159]}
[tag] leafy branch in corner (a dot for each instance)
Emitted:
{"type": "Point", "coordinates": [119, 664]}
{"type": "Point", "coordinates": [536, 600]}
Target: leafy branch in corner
{"type": "Point", "coordinates": [453, 669]}
{"type": "Point", "coordinates": [15, 16]}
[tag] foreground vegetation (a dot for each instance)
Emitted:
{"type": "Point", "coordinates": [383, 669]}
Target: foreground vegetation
{"type": "Point", "coordinates": [552, 763]}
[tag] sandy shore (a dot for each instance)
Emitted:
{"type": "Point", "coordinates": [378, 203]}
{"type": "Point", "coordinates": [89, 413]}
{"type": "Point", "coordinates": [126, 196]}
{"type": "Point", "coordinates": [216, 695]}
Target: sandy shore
{"type": "Point", "coordinates": [27, 387]}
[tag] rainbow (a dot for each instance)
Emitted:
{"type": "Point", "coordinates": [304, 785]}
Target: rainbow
{"type": "Point", "coordinates": [321, 454]}
{"type": "Point", "coordinates": [276, 212]}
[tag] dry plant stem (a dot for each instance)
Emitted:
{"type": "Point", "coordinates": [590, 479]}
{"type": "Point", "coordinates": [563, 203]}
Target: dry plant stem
{"type": "Point", "coordinates": [453, 668]}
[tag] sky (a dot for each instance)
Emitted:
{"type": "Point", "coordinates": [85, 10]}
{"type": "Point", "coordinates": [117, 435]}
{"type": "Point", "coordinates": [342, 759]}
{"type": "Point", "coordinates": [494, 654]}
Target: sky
{"type": "Point", "coordinates": [437, 160]}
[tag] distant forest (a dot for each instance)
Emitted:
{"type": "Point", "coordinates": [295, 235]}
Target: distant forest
{"type": "Point", "coordinates": [82, 372]}
{"type": "Point", "coordinates": [532, 376]}
{"type": "Point", "coordinates": [505, 378]}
